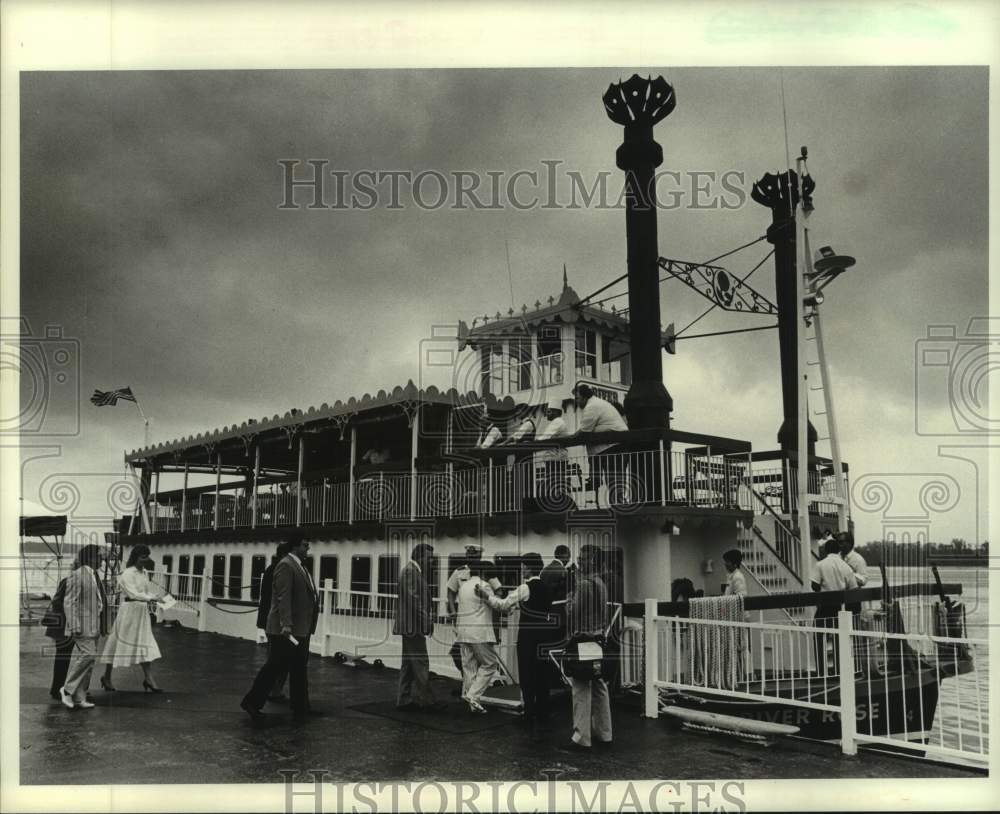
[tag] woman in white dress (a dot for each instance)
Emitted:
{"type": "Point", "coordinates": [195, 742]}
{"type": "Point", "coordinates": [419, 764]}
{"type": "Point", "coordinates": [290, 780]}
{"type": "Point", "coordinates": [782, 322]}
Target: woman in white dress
{"type": "Point", "coordinates": [131, 641]}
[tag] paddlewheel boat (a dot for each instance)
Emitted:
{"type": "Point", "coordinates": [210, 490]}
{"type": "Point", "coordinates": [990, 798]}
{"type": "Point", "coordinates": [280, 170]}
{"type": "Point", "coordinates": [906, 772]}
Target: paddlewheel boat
{"type": "Point", "coordinates": [366, 478]}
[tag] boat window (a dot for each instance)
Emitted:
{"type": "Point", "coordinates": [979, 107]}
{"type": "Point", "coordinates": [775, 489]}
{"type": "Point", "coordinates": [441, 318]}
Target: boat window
{"type": "Point", "coordinates": [586, 353]}
{"type": "Point", "coordinates": [219, 575]}
{"type": "Point", "coordinates": [388, 581]}
{"type": "Point", "coordinates": [328, 567]}
{"type": "Point", "coordinates": [168, 569]}
{"type": "Point", "coordinates": [236, 576]}
{"type": "Point", "coordinates": [199, 565]}
{"type": "Point", "coordinates": [434, 577]}
{"type": "Point", "coordinates": [361, 583]}
{"type": "Point", "coordinates": [183, 571]}
{"type": "Point", "coordinates": [520, 364]}
{"type": "Point", "coordinates": [258, 563]}
{"type": "Point", "coordinates": [549, 356]}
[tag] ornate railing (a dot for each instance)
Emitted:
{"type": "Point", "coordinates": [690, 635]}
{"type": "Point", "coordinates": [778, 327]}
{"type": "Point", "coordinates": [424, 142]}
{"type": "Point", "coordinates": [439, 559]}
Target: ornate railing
{"type": "Point", "coordinates": [538, 477]}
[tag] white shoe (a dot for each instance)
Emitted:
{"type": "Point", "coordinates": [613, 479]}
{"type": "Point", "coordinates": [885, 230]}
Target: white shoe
{"type": "Point", "coordinates": [476, 707]}
{"type": "Point", "coordinates": [86, 705]}
{"type": "Point", "coordinates": [66, 698]}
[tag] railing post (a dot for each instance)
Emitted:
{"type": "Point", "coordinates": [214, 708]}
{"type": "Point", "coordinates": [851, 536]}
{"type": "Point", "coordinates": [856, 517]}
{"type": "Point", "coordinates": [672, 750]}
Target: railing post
{"type": "Point", "coordinates": [322, 511]}
{"type": "Point", "coordinates": [663, 476]}
{"type": "Point", "coordinates": [650, 646]}
{"type": "Point", "coordinates": [848, 716]}
{"type": "Point", "coordinates": [203, 602]}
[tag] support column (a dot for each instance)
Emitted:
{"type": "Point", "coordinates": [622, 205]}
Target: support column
{"type": "Point", "coordinates": [350, 487]}
{"type": "Point", "coordinates": [638, 104]}
{"type": "Point", "coordinates": [184, 496]}
{"type": "Point", "coordinates": [156, 501]}
{"type": "Point", "coordinates": [218, 480]}
{"type": "Point", "coordinates": [298, 482]}
{"type": "Point", "coordinates": [253, 495]}
{"type": "Point", "coordinates": [780, 194]}
{"type": "Point", "coordinates": [414, 435]}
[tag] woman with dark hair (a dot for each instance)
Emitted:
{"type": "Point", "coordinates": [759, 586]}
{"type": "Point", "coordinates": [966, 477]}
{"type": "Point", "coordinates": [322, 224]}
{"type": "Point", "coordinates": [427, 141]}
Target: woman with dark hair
{"type": "Point", "coordinates": [85, 606]}
{"type": "Point", "coordinates": [736, 582]}
{"type": "Point", "coordinates": [131, 641]}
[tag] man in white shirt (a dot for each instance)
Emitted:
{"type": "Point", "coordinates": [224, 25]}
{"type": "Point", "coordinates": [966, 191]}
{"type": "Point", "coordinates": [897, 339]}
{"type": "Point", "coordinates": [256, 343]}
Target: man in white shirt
{"type": "Point", "coordinates": [831, 574]}
{"type": "Point", "coordinates": [525, 432]}
{"type": "Point", "coordinates": [856, 562]}
{"type": "Point", "coordinates": [492, 437]}
{"type": "Point", "coordinates": [473, 557]}
{"type": "Point", "coordinates": [474, 634]}
{"type": "Point", "coordinates": [597, 415]}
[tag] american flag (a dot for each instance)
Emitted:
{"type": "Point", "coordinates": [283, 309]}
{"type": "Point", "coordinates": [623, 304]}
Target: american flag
{"type": "Point", "coordinates": [102, 399]}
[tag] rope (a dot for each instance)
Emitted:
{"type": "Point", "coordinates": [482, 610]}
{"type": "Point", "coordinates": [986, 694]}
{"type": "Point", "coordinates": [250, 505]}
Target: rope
{"type": "Point", "coordinates": [713, 307]}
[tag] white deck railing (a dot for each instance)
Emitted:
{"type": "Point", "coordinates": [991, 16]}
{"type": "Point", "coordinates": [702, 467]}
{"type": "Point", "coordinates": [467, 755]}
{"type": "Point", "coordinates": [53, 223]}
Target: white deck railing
{"type": "Point", "coordinates": [924, 694]}
{"type": "Point", "coordinates": [549, 480]}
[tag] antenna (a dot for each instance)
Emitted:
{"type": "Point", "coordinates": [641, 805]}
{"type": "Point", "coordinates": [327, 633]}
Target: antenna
{"type": "Point", "coordinates": [784, 117]}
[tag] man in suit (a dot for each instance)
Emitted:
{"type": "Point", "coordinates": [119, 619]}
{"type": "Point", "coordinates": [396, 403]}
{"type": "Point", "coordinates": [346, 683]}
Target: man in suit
{"type": "Point", "coordinates": [290, 623]}
{"type": "Point", "coordinates": [85, 605]}
{"type": "Point", "coordinates": [264, 608]}
{"type": "Point", "coordinates": [555, 575]}
{"type": "Point", "coordinates": [414, 622]}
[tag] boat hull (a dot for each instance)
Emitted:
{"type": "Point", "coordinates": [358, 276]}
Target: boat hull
{"type": "Point", "coordinates": [893, 706]}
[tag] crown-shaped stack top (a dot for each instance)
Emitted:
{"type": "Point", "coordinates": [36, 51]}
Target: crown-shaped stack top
{"type": "Point", "coordinates": [639, 101]}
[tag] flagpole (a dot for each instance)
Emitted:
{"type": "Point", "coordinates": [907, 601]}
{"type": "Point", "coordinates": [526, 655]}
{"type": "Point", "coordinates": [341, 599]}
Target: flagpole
{"type": "Point", "coordinates": [145, 422]}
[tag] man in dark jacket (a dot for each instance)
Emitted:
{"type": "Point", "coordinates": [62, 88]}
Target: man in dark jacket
{"type": "Point", "coordinates": [277, 693]}
{"type": "Point", "coordinates": [290, 622]}
{"type": "Point", "coordinates": [414, 622]}
{"type": "Point", "coordinates": [54, 623]}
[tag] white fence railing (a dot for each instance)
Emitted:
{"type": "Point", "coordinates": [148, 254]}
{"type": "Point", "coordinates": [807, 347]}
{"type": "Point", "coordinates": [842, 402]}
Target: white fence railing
{"type": "Point", "coordinates": [548, 480]}
{"type": "Point", "coordinates": [926, 695]}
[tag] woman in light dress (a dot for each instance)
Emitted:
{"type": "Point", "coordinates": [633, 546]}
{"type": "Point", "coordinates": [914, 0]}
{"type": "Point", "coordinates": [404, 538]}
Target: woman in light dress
{"type": "Point", "coordinates": [131, 641]}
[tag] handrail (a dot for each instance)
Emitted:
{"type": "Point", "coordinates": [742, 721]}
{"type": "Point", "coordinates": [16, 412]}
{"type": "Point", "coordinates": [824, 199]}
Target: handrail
{"type": "Point", "coordinates": [804, 600]}
{"type": "Point", "coordinates": [778, 520]}
{"type": "Point", "coordinates": [778, 557]}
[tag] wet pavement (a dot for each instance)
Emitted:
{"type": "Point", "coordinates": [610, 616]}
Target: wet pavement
{"type": "Point", "coordinates": [195, 732]}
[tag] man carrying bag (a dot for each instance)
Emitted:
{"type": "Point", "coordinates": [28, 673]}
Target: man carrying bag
{"type": "Point", "coordinates": [586, 613]}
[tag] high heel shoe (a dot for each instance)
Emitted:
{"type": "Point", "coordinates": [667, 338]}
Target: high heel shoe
{"type": "Point", "coordinates": [107, 686]}
{"type": "Point", "coordinates": [150, 688]}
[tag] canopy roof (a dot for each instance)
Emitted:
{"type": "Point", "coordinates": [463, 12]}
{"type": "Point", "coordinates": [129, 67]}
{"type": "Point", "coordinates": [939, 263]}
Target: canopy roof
{"type": "Point", "coordinates": [339, 414]}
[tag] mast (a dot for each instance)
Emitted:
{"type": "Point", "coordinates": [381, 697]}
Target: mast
{"type": "Point", "coordinates": [802, 377]}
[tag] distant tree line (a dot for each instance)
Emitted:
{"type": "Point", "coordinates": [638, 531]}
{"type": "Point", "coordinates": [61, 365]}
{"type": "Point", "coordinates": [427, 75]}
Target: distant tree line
{"type": "Point", "coordinates": [892, 552]}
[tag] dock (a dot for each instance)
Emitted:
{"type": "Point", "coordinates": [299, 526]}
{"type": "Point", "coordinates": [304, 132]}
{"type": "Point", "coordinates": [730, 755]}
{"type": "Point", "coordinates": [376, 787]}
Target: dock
{"type": "Point", "coordinates": [195, 732]}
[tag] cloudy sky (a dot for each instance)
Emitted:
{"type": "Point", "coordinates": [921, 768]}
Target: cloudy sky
{"type": "Point", "coordinates": [151, 233]}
